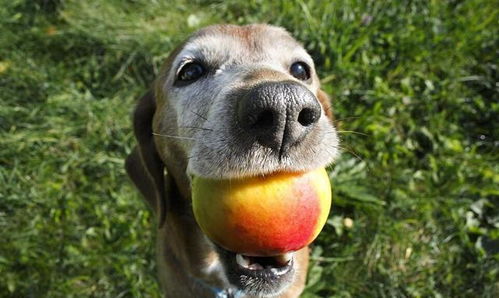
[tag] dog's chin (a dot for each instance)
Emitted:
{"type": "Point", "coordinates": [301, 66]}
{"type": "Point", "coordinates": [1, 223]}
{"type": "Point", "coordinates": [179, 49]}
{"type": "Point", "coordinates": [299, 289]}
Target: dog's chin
{"type": "Point", "coordinates": [258, 276]}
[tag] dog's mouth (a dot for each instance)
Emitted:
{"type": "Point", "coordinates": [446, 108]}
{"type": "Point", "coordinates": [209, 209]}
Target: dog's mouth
{"type": "Point", "coordinates": [276, 265]}
{"type": "Point", "coordinates": [259, 276]}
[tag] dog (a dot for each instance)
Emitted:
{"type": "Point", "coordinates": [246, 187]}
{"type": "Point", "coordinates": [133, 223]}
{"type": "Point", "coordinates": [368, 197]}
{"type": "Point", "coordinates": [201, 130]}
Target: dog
{"type": "Point", "coordinates": [229, 102]}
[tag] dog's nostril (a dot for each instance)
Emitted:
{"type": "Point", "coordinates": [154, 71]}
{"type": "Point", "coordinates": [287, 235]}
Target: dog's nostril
{"type": "Point", "coordinates": [307, 117]}
{"type": "Point", "coordinates": [264, 119]}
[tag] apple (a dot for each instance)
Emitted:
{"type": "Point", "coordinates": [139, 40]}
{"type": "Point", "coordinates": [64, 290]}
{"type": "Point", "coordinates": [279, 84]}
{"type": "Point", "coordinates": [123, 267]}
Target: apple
{"type": "Point", "coordinates": [264, 215]}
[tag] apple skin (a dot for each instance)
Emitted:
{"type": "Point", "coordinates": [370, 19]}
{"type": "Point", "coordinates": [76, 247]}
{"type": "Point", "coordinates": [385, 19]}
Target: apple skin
{"type": "Point", "coordinates": [265, 215]}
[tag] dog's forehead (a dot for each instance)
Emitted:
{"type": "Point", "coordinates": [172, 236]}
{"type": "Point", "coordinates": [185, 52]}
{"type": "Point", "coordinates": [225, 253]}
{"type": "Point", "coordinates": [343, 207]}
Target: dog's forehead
{"type": "Point", "coordinates": [229, 43]}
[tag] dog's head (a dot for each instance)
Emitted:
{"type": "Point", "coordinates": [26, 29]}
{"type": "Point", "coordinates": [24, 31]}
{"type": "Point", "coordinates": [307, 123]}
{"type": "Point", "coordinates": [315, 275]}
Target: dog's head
{"type": "Point", "coordinates": [233, 102]}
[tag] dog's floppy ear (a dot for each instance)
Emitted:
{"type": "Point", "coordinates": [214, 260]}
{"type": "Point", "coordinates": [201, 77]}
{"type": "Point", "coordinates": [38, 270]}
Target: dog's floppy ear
{"type": "Point", "coordinates": [326, 104]}
{"type": "Point", "coordinates": [143, 165]}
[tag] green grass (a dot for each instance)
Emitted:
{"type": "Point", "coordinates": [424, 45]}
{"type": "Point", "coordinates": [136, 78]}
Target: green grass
{"type": "Point", "coordinates": [416, 81]}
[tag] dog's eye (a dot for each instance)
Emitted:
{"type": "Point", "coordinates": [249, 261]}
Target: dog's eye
{"type": "Point", "coordinates": [300, 70]}
{"type": "Point", "coordinates": [190, 72]}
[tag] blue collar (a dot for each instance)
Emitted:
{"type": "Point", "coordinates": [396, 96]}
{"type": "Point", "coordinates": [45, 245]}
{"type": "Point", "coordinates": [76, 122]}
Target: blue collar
{"type": "Point", "coordinates": [219, 292]}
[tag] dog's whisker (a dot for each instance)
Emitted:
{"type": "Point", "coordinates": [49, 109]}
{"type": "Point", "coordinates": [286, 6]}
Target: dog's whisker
{"type": "Point", "coordinates": [346, 118]}
{"type": "Point", "coordinates": [200, 116]}
{"type": "Point", "coordinates": [353, 131]}
{"type": "Point", "coordinates": [348, 149]}
{"type": "Point", "coordinates": [194, 127]}
{"type": "Point", "coordinates": [173, 137]}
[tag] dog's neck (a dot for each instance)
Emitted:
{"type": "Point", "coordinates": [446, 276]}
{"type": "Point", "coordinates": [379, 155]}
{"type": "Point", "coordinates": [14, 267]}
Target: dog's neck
{"type": "Point", "coordinates": [186, 256]}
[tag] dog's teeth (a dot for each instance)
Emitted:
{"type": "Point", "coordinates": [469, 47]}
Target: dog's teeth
{"type": "Point", "coordinates": [286, 258]}
{"type": "Point", "coordinates": [255, 266]}
{"type": "Point", "coordinates": [242, 261]}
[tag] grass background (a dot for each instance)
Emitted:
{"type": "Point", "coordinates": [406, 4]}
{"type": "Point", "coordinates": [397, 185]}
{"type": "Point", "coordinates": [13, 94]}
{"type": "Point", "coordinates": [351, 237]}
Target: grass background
{"type": "Point", "coordinates": [415, 192]}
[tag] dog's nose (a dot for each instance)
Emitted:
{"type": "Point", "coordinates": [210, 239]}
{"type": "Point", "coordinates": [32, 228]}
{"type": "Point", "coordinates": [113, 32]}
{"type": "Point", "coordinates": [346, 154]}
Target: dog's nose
{"type": "Point", "coordinates": [278, 114]}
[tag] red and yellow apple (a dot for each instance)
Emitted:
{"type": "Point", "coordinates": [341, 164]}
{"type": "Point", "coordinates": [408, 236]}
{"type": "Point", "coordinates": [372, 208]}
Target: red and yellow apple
{"type": "Point", "coordinates": [265, 215]}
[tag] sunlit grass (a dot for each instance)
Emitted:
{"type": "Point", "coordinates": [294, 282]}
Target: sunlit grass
{"type": "Point", "coordinates": [415, 209]}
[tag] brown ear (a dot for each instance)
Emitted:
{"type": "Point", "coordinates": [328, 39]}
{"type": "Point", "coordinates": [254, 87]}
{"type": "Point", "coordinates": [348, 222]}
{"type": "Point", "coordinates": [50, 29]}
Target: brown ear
{"type": "Point", "coordinates": [326, 104]}
{"type": "Point", "coordinates": [143, 165]}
